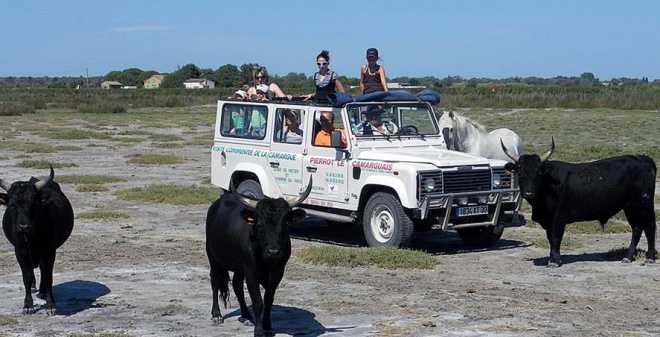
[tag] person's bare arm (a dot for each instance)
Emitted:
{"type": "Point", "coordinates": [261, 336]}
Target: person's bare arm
{"type": "Point", "coordinates": [362, 80]}
{"type": "Point", "coordinates": [383, 80]}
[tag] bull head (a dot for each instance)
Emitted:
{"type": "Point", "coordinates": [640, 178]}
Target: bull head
{"type": "Point", "coordinates": [515, 158]}
{"type": "Point", "coordinates": [293, 202]}
{"type": "Point", "coordinates": [38, 185]}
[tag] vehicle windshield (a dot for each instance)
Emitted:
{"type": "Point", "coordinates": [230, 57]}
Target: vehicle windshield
{"type": "Point", "coordinates": [386, 120]}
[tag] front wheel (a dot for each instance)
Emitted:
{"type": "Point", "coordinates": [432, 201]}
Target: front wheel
{"type": "Point", "coordinates": [250, 188]}
{"type": "Point", "coordinates": [385, 223]}
{"type": "Point", "coordinates": [482, 237]}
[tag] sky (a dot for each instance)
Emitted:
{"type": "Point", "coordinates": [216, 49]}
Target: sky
{"type": "Point", "coordinates": [467, 38]}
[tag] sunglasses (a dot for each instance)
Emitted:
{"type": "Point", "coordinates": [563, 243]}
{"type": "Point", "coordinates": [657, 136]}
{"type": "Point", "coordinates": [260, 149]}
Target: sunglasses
{"type": "Point", "coordinates": [325, 120]}
{"type": "Point", "coordinates": [321, 64]}
{"type": "Point", "coordinates": [260, 77]}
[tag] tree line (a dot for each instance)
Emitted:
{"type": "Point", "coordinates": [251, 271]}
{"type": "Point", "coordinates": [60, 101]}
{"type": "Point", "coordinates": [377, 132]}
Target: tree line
{"type": "Point", "coordinates": [232, 76]}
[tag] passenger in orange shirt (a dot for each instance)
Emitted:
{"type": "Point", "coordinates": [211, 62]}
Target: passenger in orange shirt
{"type": "Point", "coordinates": [327, 127]}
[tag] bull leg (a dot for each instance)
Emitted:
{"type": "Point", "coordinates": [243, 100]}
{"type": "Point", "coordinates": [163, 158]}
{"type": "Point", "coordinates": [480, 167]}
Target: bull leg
{"type": "Point", "coordinates": [650, 231]}
{"type": "Point", "coordinates": [641, 219]}
{"type": "Point", "coordinates": [219, 282]}
{"type": "Point", "coordinates": [28, 281]}
{"type": "Point", "coordinates": [237, 284]}
{"type": "Point", "coordinates": [554, 238]}
{"type": "Point", "coordinates": [269, 297]}
{"type": "Point", "coordinates": [257, 304]}
{"type": "Point", "coordinates": [46, 284]}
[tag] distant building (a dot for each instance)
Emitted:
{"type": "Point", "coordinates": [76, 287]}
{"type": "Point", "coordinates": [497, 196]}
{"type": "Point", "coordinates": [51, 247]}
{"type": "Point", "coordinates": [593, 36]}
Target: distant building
{"type": "Point", "coordinates": [195, 83]}
{"type": "Point", "coordinates": [111, 85]}
{"type": "Point", "coordinates": [396, 85]}
{"type": "Point", "coordinates": [129, 86]}
{"type": "Point", "coordinates": [154, 81]}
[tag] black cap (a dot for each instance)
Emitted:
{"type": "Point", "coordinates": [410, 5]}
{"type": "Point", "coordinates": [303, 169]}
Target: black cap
{"type": "Point", "coordinates": [374, 110]}
{"type": "Point", "coordinates": [372, 52]}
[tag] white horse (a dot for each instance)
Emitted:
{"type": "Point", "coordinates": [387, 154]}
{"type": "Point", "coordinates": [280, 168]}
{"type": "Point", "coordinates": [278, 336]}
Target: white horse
{"type": "Point", "coordinates": [468, 136]}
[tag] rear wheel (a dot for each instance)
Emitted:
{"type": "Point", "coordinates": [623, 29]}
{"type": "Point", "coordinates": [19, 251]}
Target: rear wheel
{"type": "Point", "coordinates": [250, 188]}
{"type": "Point", "coordinates": [385, 223]}
{"type": "Point", "coordinates": [481, 236]}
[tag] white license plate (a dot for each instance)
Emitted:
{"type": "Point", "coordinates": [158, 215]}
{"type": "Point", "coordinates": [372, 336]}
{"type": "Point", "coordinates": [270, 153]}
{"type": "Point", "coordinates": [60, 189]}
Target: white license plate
{"type": "Point", "coordinates": [472, 210]}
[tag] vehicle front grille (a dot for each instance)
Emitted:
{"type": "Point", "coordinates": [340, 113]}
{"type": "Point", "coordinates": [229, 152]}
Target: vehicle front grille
{"type": "Point", "coordinates": [505, 177]}
{"type": "Point", "coordinates": [437, 178]}
{"type": "Point", "coordinates": [467, 181]}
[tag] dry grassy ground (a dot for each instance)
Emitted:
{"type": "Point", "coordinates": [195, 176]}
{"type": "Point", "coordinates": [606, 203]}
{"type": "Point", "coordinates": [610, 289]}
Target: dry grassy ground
{"type": "Point", "coordinates": [147, 275]}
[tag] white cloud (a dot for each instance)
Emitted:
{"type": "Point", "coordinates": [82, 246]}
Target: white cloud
{"type": "Point", "coordinates": [142, 28]}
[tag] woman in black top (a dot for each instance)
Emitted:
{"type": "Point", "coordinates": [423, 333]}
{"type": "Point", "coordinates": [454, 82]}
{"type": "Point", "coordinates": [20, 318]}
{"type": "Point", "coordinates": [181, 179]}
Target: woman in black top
{"type": "Point", "coordinates": [325, 80]}
{"type": "Point", "coordinates": [372, 75]}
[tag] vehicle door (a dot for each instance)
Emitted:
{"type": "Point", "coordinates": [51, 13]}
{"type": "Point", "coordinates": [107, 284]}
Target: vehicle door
{"type": "Point", "coordinates": [287, 149]}
{"type": "Point", "coordinates": [328, 165]}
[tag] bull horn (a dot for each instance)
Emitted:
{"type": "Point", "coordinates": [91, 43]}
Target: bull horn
{"type": "Point", "coordinates": [293, 202]}
{"type": "Point", "coordinates": [40, 184]}
{"type": "Point", "coordinates": [547, 155]}
{"type": "Point", "coordinates": [5, 185]}
{"type": "Point", "coordinates": [509, 153]}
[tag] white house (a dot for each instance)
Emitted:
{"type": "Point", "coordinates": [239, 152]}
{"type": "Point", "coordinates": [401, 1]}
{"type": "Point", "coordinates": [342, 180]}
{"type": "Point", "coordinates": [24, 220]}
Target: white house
{"type": "Point", "coordinates": [195, 83]}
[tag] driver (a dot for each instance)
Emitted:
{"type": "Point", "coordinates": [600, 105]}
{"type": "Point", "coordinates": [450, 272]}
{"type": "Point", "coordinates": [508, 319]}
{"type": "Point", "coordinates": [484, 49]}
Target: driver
{"type": "Point", "coordinates": [373, 125]}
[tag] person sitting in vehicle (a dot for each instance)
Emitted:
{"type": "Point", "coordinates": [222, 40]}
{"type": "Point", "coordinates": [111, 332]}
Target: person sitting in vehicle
{"type": "Point", "coordinates": [372, 125]}
{"type": "Point", "coordinates": [261, 83]}
{"type": "Point", "coordinates": [323, 136]}
{"type": "Point", "coordinates": [292, 131]}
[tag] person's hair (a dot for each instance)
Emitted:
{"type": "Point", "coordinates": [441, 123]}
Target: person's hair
{"type": "Point", "coordinates": [324, 54]}
{"type": "Point", "coordinates": [257, 70]}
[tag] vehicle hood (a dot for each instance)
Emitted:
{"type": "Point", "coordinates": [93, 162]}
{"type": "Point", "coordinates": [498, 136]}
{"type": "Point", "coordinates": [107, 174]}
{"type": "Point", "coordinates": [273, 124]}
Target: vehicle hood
{"type": "Point", "coordinates": [428, 155]}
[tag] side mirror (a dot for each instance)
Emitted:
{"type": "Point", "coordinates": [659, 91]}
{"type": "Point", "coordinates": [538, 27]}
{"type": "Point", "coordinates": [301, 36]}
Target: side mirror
{"type": "Point", "coordinates": [335, 140]}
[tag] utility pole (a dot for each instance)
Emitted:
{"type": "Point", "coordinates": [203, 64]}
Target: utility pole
{"type": "Point", "coordinates": [87, 74]}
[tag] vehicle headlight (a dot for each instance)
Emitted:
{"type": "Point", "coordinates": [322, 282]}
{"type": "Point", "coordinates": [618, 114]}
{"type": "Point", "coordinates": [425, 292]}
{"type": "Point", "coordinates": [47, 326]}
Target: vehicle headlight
{"type": "Point", "coordinates": [428, 185]}
{"type": "Point", "coordinates": [497, 180]}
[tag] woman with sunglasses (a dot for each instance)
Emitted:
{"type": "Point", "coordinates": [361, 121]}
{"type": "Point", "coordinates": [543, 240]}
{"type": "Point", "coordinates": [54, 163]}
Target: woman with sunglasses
{"type": "Point", "coordinates": [325, 80]}
{"type": "Point", "coordinates": [372, 75]}
{"type": "Point", "coordinates": [261, 86]}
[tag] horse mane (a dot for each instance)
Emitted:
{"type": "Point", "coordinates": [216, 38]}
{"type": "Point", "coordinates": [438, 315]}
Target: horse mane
{"type": "Point", "coordinates": [464, 120]}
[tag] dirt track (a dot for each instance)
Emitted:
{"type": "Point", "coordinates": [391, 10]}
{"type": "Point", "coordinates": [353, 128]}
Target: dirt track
{"type": "Point", "coordinates": [148, 275]}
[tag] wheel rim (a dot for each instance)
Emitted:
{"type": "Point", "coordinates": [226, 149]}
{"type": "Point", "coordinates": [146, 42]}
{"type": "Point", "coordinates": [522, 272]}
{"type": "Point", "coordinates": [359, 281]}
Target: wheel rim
{"type": "Point", "coordinates": [382, 224]}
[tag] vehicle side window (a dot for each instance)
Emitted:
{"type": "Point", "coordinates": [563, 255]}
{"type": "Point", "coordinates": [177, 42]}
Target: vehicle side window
{"type": "Point", "coordinates": [287, 128]}
{"type": "Point", "coordinates": [244, 121]}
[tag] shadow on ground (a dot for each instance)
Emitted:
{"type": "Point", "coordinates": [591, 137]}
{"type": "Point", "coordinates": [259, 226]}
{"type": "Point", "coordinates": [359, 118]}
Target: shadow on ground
{"type": "Point", "coordinates": [75, 296]}
{"type": "Point", "coordinates": [433, 241]}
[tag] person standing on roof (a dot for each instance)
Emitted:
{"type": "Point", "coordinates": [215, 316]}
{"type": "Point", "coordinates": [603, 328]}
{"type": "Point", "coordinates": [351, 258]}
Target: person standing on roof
{"type": "Point", "coordinates": [372, 75]}
{"type": "Point", "coordinates": [326, 81]}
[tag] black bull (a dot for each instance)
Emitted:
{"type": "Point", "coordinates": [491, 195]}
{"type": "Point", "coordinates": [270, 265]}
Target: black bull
{"type": "Point", "coordinates": [37, 221]}
{"type": "Point", "coordinates": [561, 193]}
{"type": "Point", "coordinates": [250, 238]}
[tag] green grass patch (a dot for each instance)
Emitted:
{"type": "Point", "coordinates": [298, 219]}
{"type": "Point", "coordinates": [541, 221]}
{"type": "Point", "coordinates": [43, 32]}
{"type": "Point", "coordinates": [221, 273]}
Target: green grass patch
{"type": "Point", "coordinates": [382, 257]}
{"type": "Point", "coordinates": [88, 179]}
{"type": "Point", "coordinates": [594, 227]}
{"type": "Point", "coordinates": [168, 145]}
{"type": "Point", "coordinates": [154, 159]}
{"type": "Point", "coordinates": [159, 137]}
{"type": "Point", "coordinates": [169, 194]}
{"type": "Point", "coordinates": [68, 148]}
{"type": "Point", "coordinates": [43, 164]}
{"type": "Point", "coordinates": [73, 134]}
{"type": "Point", "coordinates": [102, 216]}
{"type": "Point", "coordinates": [91, 188]}
{"type": "Point", "coordinates": [8, 321]}
{"type": "Point", "coordinates": [26, 147]}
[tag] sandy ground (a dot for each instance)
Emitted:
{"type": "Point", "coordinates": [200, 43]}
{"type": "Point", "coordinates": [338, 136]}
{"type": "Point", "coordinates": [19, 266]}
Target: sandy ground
{"type": "Point", "coordinates": [148, 275]}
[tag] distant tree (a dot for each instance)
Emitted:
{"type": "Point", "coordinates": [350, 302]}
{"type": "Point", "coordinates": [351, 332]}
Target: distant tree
{"type": "Point", "coordinates": [176, 79]}
{"type": "Point", "coordinates": [247, 70]}
{"type": "Point", "coordinates": [228, 76]}
{"type": "Point", "coordinates": [587, 80]}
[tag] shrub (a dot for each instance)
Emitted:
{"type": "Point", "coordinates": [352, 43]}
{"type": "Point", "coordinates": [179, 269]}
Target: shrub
{"type": "Point", "coordinates": [15, 109]}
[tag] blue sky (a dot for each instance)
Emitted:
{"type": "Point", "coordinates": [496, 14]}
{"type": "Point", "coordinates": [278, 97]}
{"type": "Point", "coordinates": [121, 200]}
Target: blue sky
{"type": "Point", "coordinates": [467, 38]}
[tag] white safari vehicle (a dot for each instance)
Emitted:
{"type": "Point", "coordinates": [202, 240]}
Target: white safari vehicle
{"type": "Point", "coordinates": [390, 183]}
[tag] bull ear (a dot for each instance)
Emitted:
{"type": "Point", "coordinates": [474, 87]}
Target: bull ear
{"type": "Point", "coordinates": [3, 198]}
{"type": "Point", "coordinates": [248, 216]}
{"type": "Point", "coordinates": [510, 167]}
{"type": "Point", "coordinates": [297, 215]}
{"type": "Point", "coordinates": [40, 184]}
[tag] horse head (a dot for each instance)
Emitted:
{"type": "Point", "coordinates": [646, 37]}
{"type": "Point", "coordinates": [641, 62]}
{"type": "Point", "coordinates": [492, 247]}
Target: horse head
{"type": "Point", "coordinates": [448, 127]}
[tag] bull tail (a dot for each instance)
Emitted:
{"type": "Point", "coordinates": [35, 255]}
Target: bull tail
{"type": "Point", "coordinates": [224, 289]}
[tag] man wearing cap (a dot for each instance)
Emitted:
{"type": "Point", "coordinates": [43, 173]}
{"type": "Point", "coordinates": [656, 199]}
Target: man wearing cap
{"type": "Point", "coordinates": [372, 75]}
{"type": "Point", "coordinates": [373, 125]}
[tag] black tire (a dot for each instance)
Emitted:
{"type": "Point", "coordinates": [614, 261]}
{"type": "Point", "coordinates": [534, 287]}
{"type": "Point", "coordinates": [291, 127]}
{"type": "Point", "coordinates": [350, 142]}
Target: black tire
{"type": "Point", "coordinates": [250, 188]}
{"type": "Point", "coordinates": [481, 237]}
{"type": "Point", "coordinates": [385, 223]}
